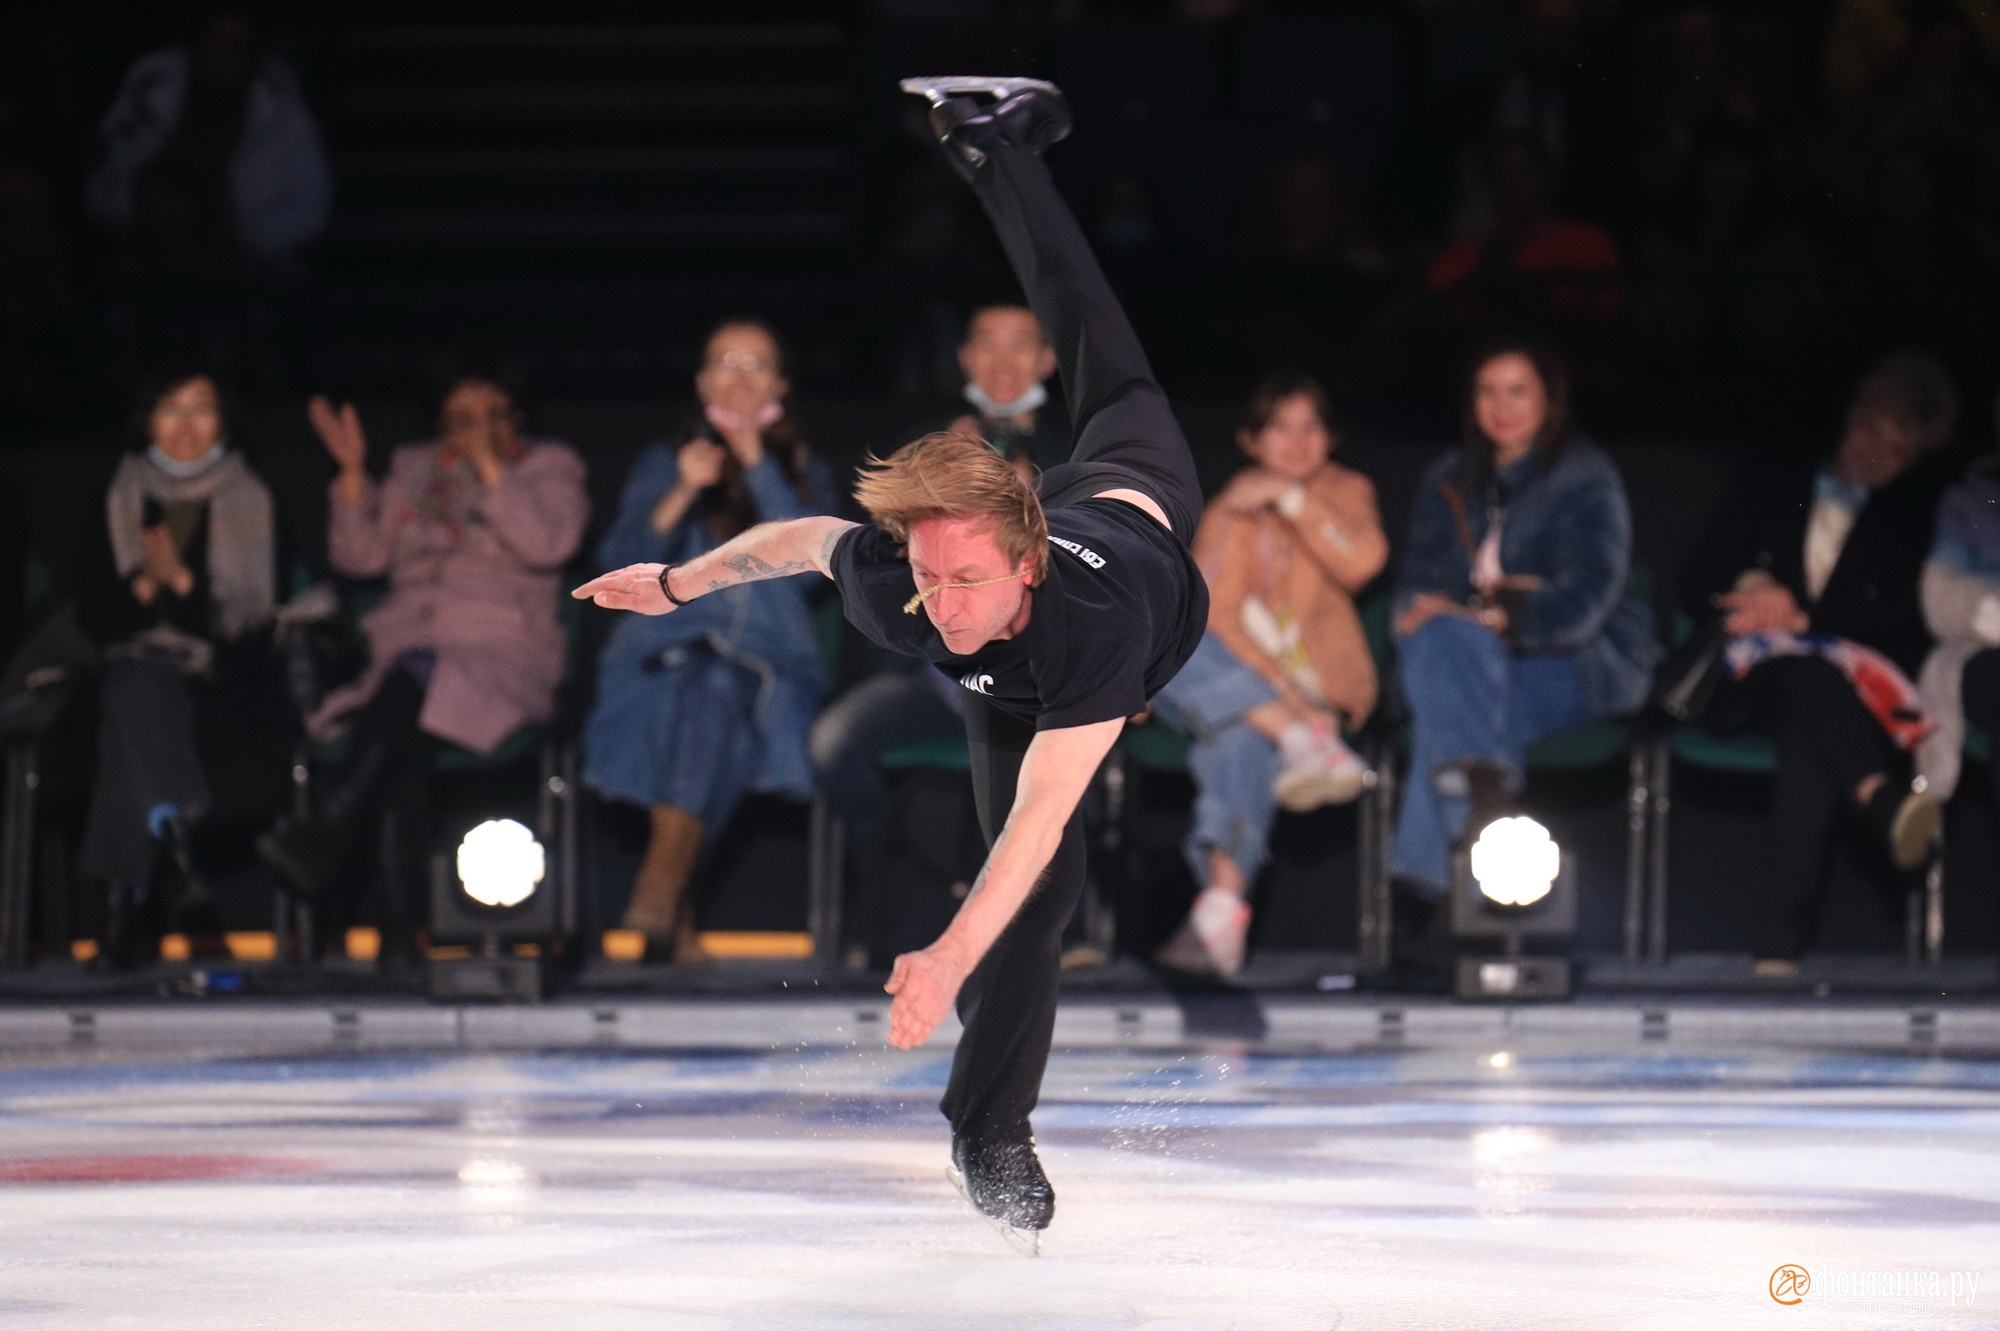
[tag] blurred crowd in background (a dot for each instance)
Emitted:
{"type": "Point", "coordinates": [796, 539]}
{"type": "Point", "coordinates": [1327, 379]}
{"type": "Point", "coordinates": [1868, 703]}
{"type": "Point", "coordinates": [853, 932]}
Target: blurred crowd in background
{"type": "Point", "coordinates": [1476, 227]}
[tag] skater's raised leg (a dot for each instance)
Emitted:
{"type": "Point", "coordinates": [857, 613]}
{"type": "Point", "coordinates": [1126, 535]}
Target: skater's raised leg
{"type": "Point", "coordinates": [1126, 434]}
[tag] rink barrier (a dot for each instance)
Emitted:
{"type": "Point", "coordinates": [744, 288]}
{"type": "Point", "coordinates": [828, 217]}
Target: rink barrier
{"type": "Point", "coordinates": [250, 1026]}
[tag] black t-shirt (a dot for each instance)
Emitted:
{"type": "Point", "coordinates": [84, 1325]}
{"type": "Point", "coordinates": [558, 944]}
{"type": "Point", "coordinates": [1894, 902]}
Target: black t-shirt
{"type": "Point", "coordinates": [1122, 609]}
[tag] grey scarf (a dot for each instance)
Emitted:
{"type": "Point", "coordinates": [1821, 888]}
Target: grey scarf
{"type": "Point", "coordinates": [242, 546]}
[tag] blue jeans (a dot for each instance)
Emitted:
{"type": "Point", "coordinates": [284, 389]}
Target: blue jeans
{"type": "Point", "coordinates": [1233, 766]}
{"type": "Point", "coordinates": [680, 732]}
{"type": "Point", "coordinates": [1471, 701]}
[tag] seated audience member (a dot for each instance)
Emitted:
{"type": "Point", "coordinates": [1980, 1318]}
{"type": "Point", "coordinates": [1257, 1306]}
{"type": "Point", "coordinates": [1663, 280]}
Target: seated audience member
{"type": "Point", "coordinates": [698, 708]}
{"type": "Point", "coordinates": [1816, 570]}
{"type": "Point", "coordinates": [1960, 683]}
{"type": "Point", "coordinates": [1007, 363]}
{"type": "Point", "coordinates": [883, 713]}
{"type": "Point", "coordinates": [1512, 611]}
{"type": "Point", "coordinates": [210, 146]}
{"type": "Point", "coordinates": [472, 532]}
{"type": "Point", "coordinates": [180, 592]}
{"type": "Point", "coordinates": [1529, 267]}
{"type": "Point", "coordinates": [1284, 665]}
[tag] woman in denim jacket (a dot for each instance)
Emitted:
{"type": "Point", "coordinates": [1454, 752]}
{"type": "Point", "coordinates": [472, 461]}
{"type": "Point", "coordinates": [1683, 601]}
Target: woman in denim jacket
{"type": "Point", "coordinates": [1512, 611]}
{"type": "Point", "coordinates": [699, 708]}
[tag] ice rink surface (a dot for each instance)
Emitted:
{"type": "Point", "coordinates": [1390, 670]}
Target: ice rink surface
{"type": "Point", "coordinates": [802, 1187]}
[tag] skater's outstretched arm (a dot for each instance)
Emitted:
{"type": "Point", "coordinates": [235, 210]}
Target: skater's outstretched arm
{"type": "Point", "coordinates": [768, 550]}
{"type": "Point", "coordinates": [1055, 771]}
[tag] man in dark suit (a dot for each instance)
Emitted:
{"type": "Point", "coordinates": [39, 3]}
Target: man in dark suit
{"type": "Point", "coordinates": [1833, 549]}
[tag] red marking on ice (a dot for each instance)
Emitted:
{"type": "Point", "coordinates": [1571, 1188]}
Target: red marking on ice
{"type": "Point", "coordinates": [146, 1168]}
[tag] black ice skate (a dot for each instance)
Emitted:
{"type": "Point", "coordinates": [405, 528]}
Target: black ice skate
{"type": "Point", "coordinates": [1005, 1183]}
{"type": "Point", "coordinates": [973, 114]}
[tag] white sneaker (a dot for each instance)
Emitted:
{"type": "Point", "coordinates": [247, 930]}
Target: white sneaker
{"type": "Point", "coordinates": [1324, 772]}
{"type": "Point", "coordinates": [1211, 942]}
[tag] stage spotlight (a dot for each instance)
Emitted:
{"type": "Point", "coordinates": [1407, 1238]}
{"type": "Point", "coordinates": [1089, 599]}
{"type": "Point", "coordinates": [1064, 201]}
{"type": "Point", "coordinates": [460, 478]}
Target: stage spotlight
{"type": "Point", "coordinates": [1515, 861]}
{"type": "Point", "coordinates": [494, 916]}
{"type": "Point", "coordinates": [500, 864]}
{"type": "Point", "coordinates": [1513, 883]}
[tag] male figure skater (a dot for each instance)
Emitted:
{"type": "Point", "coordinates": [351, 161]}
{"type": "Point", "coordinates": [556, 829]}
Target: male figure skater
{"type": "Point", "coordinates": [1060, 614]}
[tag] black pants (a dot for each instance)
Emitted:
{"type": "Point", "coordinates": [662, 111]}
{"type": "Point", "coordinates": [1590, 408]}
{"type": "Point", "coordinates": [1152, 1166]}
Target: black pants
{"type": "Point", "coordinates": [1828, 744]}
{"type": "Point", "coordinates": [147, 758]}
{"type": "Point", "coordinates": [1126, 437]}
{"type": "Point", "coordinates": [1126, 434]}
{"type": "Point", "coordinates": [381, 798]}
{"type": "Point", "coordinates": [1008, 1004]}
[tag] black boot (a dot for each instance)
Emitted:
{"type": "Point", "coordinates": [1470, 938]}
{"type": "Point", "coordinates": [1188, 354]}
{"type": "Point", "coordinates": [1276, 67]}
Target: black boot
{"type": "Point", "coordinates": [130, 941]}
{"type": "Point", "coordinates": [311, 852]}
{"type": "Point", "coordinates": [1421, 955]}
{"type": "Point", "coordinates": [1004, 1182]}
{"type": "Point", "coordinates": [192, 893]}
{"type": "Point", "coordinates": [972, 115]}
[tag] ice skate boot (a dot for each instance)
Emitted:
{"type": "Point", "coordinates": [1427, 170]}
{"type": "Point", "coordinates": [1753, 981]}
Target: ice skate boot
{"type": "Point", "coordinates": [1005, 1184]}
{"type": "Point", "coordinates": [972, 114]}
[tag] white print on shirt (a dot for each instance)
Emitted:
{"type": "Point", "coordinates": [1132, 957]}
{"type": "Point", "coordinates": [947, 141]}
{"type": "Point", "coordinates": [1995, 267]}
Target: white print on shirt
{"type": "Point", "coordinates": [1088, 556]}
{"type": "Point", "coordinates": [979, 684]}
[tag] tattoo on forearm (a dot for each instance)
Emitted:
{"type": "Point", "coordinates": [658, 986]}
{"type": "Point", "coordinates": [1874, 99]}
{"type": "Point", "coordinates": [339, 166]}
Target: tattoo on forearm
{"type": "Point", "coordinates": [832, 539]}
{"type": "Point", "coordinates": [750, 568]}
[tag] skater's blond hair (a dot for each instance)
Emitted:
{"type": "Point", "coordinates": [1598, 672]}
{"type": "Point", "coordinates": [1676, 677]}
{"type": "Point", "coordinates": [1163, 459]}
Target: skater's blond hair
{"type": "Point", "coordinates": [954, 474]}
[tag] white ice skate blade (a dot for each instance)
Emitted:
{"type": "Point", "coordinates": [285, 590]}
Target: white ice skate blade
{"type": "Point", "coordinates": [1027, 1242]}
{"type": "Point", "coordinates": [937, 87]}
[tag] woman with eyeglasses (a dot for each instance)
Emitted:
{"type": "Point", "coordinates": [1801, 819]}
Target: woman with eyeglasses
{"type": "Point", "coordinates": [471, 530]}
{"type": "Point", "coordinates": [180, 592]}
{"type": "Point", "coordinates": [696, 710]}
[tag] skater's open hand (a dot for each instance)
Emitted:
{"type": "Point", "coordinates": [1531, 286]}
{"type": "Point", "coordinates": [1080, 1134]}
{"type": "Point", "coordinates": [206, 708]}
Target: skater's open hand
{"type": "Point", "coordinates": [925, 984]}
{"type": "Point", "coordinates": [634, 587]}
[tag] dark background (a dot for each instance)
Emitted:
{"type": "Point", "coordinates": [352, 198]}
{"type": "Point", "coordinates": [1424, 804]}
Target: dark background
{"type": "Point", "coordinates": [591, 184]}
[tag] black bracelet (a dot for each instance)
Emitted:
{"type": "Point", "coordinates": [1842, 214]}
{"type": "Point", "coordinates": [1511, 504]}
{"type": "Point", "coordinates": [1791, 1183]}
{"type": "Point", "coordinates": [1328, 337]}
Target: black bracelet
{"type": "Point", "coordinates": [667, 591]}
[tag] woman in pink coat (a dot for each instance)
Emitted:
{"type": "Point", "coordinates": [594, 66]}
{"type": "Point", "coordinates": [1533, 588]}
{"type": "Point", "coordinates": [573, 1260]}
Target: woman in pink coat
{"type": "Point", "coordinates": [471, 532]}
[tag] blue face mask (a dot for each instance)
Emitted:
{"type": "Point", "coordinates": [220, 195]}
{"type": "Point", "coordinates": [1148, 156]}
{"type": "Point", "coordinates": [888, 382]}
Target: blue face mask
{"type": "Point", "coordinates": [1006, 411]}
{"type": "Point", "coordinates": [185, 470]}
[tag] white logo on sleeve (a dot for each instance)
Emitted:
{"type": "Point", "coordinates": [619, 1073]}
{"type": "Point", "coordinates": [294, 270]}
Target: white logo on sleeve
{"type": "Point", "coordinates": [979, 684]}
{"type": "Point", "coordinates": [1085, 553]}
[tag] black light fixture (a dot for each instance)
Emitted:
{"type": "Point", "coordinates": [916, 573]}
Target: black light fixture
{"type": "Point", "coordinates": [1513, 883]}
{"type": "Point", "coordinates": [492, 892]}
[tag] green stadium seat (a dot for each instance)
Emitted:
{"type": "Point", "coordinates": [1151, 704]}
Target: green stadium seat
{"type": "Point", "coordinates": [1581, 747]}
{"type": "Point", "coordinates": [936, 755]}
{"type": "Point", "coordinates": [1156, 747]}
{"type": "Point", "coordinates": [1729, 753]}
